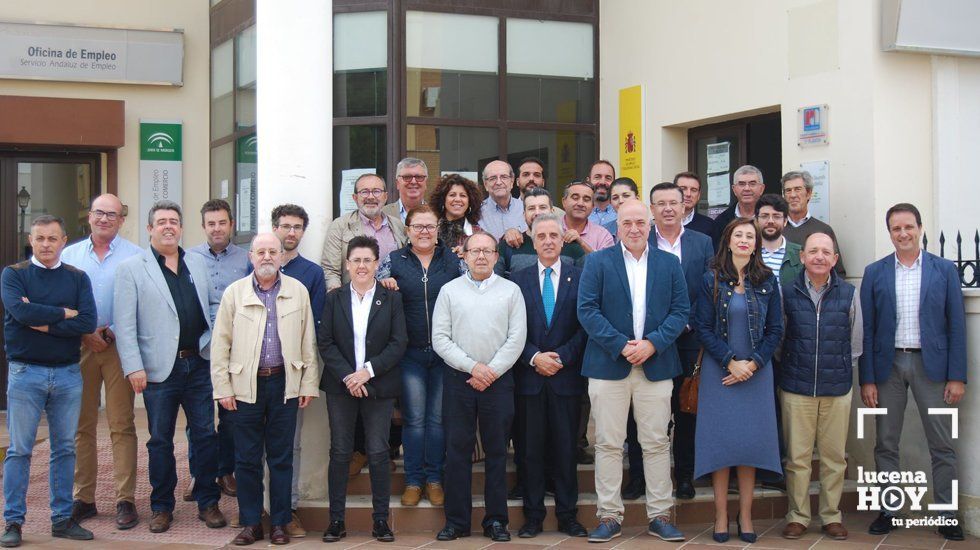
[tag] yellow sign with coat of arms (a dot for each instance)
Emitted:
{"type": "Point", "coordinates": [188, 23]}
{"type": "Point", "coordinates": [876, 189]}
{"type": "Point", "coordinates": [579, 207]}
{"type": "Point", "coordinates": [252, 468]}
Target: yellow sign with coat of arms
{"type": "Point", "coordinates": [630, 134]}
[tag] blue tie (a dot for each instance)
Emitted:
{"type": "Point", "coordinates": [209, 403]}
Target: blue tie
{"type": "Point", "coordinates": [548, 295]}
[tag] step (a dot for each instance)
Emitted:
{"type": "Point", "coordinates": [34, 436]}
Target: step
{"type": "Point", "coordinates": [768, 504]}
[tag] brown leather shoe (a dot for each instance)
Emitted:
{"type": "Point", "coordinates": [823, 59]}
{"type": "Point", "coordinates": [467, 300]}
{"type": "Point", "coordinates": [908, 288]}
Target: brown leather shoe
{"type": "Point", "coordinates": [161, 521]}
{"type": "Point", "coordinates": [249, 535]}
{"type": "Point", "coordinates": [295, 527]}
{"type": "Point", "coordinates": [357, 463]}
{"type": "Point", "coordinates": [126, 516]}
{"type": "Point", "coordinates": [279, 535]}
{"type": "Point", "coordinates": [212, 517]}
{"type": "Point", "coordinates": [188, 495]}
{"type": "Point", "coordinates": [435, 494]}
{"type": "Point", "coordinates": [412, 495]}
{"type": "Point", "coordinates": [793, 530]}
{"type": "Point", "coordinates": [835, 531]}
{"type": "Point", "coordinates": [228, 485]}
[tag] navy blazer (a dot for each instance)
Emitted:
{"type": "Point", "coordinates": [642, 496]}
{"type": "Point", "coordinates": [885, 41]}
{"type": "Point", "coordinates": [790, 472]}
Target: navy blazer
{"type": "Point", "coordinates": [942, 320]}
{"type": "Point", "coordinates": [565, 336]}
{"type": "Point", "coordinates": [701, 224]}
{"type": "Point", "coordinates": [696, 255]}
{"type": "Point", "coordinates": [605, 309]}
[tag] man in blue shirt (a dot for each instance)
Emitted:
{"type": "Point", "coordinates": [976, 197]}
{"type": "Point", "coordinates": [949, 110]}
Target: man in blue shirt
{"type": "Point", "coordinates": [601, 176]}
{"type": "Point", "coordinates": [98, 256]}
{"type": "Point", "coordinates": [48, 306]}
{"type": "Point", "coordinates": [226, 263]}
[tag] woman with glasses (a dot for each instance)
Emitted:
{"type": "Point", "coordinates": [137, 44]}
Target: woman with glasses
{"type": "Point", "coordinates": [362, 339]}
{"type": "Point", "coordinates": [739, 322]}
{"type": "Point", "coordinates": [456, 201]}
{"type": "Point", "coordinates": [418, 272]}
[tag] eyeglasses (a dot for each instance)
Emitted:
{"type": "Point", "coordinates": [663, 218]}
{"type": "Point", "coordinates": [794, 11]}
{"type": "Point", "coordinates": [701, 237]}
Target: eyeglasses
{"type": "Point", "coordinates": [99, 214]}
{"type": "Point", "coordinates": [477, 252]}
{"type": "Point", "coordinates": [365, 193]}
{"type": "Point", "coordinates": [413, 177]}
{"type": "Point", "coordinates": [773, 217]}
{"type": "Point", "coordinates": [502, 177]}
{"type": "Point", "coordinates": [291, 228]}
{"type": "Point", "coordinates": [419, 228]}
{"type": "Point", "coordinates": [361, 261]}
{"type": "Point", "coordinates": [665, 204]}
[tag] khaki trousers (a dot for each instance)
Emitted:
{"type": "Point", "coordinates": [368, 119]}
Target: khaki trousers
{"type": "Point", "coordinates": [98, 368]}
{"type": "Point", "coordinates": [824, 420]}
{"type": "Point", "coordinates": [611, 401]}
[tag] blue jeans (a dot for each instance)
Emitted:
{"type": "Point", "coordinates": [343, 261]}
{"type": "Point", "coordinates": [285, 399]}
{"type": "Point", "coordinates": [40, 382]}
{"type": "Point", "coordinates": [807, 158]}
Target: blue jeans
{"type": "Point", "coordinates": [31, 389]}
{"type": "Point", "coordinates": [226, 444]}
{"type": "Point", "coordinates": [421, 401]}
{"type": "Point", "coordinates": [188, 386]}
{"type": "Point", "coordinates": [266, 426]}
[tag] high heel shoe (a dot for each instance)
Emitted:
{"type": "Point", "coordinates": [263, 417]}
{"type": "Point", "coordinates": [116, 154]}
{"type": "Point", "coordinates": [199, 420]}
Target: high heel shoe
{"type": "Point", "coordinates": [746, 536]}
{"type": "Point", "coordinates": [722, 537]}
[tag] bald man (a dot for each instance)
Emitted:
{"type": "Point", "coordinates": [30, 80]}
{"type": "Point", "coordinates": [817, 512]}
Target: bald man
{"type": "Point", "coordinates": [98, 256]}
{"type": "Point", "coordinates": [264, 391]}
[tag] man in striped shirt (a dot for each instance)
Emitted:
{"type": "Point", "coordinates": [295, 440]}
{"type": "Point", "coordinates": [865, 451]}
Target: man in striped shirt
{"type": "Point", "coordinates": [779, 255]}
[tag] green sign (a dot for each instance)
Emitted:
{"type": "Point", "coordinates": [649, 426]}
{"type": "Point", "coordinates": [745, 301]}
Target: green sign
{"type": "Point", "coordinates": [247, 150]}
{"type": "Point", "coordinates": [160, 141]}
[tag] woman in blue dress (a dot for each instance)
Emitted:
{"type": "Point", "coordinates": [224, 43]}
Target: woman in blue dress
{"type": "Point", "coordinates": [739, 323]}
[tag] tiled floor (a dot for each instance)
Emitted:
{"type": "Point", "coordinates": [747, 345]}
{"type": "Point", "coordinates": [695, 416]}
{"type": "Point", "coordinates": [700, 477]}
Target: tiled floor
{"type": "Point", "coordinates": [189, 533]}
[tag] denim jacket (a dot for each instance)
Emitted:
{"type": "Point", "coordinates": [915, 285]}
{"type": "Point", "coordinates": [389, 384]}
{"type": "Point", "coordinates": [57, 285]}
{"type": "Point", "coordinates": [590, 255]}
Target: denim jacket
{"type": "Point", "coordinates": [765, 319]}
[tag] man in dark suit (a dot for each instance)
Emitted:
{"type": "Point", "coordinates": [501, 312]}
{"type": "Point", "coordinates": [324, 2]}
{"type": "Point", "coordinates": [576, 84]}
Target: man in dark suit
{"type": "Point", "coordinates": [694, 250]}
{"type": "Point", "coordinates": [633, 304]}
{"type": "Point", "coordinates": [914, 337]}
{"type": "Point", "coordinates": [748, 187]}
{"type": "Point", "coordinates": [690, 184]}
{"type": "Point", "coordinates": [549, 380]}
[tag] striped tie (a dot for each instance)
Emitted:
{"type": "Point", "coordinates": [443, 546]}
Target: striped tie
{"type": "Point", "coordinates": [548, 295]}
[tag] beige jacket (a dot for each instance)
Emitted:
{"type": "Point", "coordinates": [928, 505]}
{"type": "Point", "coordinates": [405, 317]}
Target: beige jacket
{"type": "Point", "coordinates": [341, 231]}
{"type": "Point", "coordinates": [236, 341]}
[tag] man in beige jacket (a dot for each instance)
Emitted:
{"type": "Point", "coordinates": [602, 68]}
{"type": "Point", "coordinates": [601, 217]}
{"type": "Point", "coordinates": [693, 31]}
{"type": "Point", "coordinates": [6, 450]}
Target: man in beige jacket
{"type": "Point", "coordinates": [264, 366]}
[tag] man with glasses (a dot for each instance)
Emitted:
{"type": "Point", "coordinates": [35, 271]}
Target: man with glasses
{"type": "Point", "coordinates": [690, 184]}
{"type": "Point", "coordinates": [98, 256]}
{"type": "Point", "coordinates": [368, 220]}
{"type": "Point", "coordinates": [411, 175]}
{"type": "Point", "coordinates": [747, 185]}
{"type": "Point", "coordinates": [500, 211]}
{"type": "Point", "coordinates": [289, 223]}
{"type": "Point", "coordinates": [798, 190]}
{"type": "Point", "coordinates": [778, 253]}
{"type": "Point", "coordinates": [479, 329]}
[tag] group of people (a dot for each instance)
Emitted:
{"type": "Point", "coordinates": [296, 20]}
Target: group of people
{"type": "Point", "coordinates": [500, 320]}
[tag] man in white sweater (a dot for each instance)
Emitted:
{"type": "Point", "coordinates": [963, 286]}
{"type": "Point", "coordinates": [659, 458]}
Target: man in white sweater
{"type": "Point", "coordinates": [478, 328]}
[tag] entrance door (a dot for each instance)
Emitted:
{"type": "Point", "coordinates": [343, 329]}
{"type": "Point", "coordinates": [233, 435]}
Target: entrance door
{"type": "Point", "coordinates": [715, 151]}
{"type": "Point", "coordinates": [33, 184]}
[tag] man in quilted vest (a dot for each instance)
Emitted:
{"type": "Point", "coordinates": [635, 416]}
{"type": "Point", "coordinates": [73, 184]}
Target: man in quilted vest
{"type": "Point", "coordinates": [822, 344]}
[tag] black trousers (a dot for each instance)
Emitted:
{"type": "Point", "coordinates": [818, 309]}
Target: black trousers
{"type": "Point", "coordinates": [464, 409]}
{"type": "Point", "coordinates": [550, 431]}
{"type": "Point", "coordinates": [376, 415]}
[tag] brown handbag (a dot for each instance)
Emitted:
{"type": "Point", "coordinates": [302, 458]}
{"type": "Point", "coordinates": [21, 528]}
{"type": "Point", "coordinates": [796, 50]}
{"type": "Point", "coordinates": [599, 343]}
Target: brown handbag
{"type": "Point", "coordinates": [688, 396]}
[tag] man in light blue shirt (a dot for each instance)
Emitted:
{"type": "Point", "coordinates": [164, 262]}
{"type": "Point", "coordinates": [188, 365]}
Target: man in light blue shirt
{"type": "Point", "coordinates": [601, 176]}
{"type": "Point", "coordinates": [98, 256]}
{"type": "Point", "coordinates": [226, 263]}
{"type": "Point", "coordinates": [500, 211]}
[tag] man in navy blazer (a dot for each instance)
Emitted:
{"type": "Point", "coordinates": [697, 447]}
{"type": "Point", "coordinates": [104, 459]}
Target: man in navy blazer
{"type": "Point", "coordinates": [633, 303]}
{"type": "Point", "coordinates": [694, 250]}
{"type": "Point", "coordinates": [549, 380]}
{"type": "Point", "coordinates": [914, 337]}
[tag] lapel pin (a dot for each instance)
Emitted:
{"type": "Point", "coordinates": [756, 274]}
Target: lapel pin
{"type": "Point", "coordinates": [377, 303]}
{"type": "Point", "coordinates": [569, 279]}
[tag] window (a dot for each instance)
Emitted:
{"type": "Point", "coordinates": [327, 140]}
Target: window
{"type": "Point", "coordinates": [360, 64]}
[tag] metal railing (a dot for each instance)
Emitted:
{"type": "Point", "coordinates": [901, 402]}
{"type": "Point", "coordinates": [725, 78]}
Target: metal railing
{"type": "Point", "coordinates": [969, 270]}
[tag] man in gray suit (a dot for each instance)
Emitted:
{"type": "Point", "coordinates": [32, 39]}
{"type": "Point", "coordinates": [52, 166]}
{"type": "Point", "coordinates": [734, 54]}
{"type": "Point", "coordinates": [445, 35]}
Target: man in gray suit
{"type": "Point", "coordinates": [163, 334]}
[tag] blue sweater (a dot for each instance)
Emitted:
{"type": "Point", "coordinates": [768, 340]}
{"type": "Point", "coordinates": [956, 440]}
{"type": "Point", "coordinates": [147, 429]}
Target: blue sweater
{"type": "Point", "coordinates": [49, 292]}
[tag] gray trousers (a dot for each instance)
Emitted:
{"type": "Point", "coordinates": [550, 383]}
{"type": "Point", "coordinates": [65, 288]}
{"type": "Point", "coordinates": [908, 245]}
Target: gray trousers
{"type": "Point", "coordinates": [908, 372]}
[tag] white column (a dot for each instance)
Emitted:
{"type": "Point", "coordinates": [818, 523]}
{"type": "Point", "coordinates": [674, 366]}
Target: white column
{"type": "Point", "coordinates": [295, 144]}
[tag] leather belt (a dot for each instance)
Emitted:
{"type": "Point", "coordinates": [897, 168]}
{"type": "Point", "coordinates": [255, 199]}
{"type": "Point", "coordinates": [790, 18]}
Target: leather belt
{"type": "Point", "coordinates": [909, 350]}
{"type": "Point", "coordinates": [186, 353]}
{"type": "Point", "coordinates": [269, 371]}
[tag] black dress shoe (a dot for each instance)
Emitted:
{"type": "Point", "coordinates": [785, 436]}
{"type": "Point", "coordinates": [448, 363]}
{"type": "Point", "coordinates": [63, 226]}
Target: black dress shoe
{"type": "Point", "coordinates": [248, 535]}
{"type": "Point", "coordinates": [451, 533]}
{"type": "Point", "coordinates": [83, 510]}
{"type": "Point", "coordinates": [573, 528]}
{"type": "Point", "coordinates": [636, 488]}
{"type": "Point", "coordinates": [382, 532]}
{"type": "Point", "coordinates": [530, 530]}
{"type": "Point", "coordinates": [685, 489]}
{"type": "Point", "coordinates": [882, 525]}
{"type": "Point", "coordinates": [496, 532]}
{"type": "Point", "coordinates": [517, 493]}
{"type": "Point", "coordinates": [334, 532]}
{"type": "Point", "coordinates": [951, 532]}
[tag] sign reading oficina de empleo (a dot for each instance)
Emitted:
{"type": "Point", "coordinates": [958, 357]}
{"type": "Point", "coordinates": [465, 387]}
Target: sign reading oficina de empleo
{"type": "Point", "coordinates": [161, 165]}
{"type": "Point", "coordinates": [41, 51]}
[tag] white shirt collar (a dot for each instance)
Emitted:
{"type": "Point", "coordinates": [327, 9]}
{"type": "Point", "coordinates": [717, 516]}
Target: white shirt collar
{"type": "Point", "coordinates": [629, 255]}
{"type": "Point", "coordinates": [480, 284]}
{"type": "Point", "coordinates": [688, 218]}
{"type": "Point", "coordinates": [899, 265]}
{"type": "Point", "coordinates": [555, 268]}
{"type": "Point", "coordinates": [664, 240]}
{"type": "Point", "coordinates": [42, 266]}
{"type": "Point", "coordinates": [802, 221]}
{"type": "Point", "coordinates": [367, 295]}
